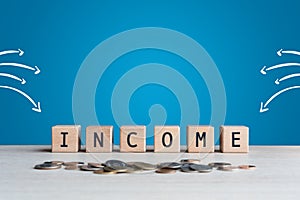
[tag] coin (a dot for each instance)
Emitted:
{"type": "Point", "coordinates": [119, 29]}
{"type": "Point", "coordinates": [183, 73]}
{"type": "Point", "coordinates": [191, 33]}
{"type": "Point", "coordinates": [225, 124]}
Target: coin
{"type": "Point", "coordinates": [54, 162]}
{"type": "Point", "coordinates": [133, 169]}
{"type": "Point", "coordinates": [169, 165]}
{"type": "Point", "coordinates": [165, 171]}
{"type": "Point", "coordinates": [219, 164]}
{"type": "Point", "coordinates": [142, 165]}
{"type": "Point", "coordinates": [228, 168]}
{"type": "Point", "coordinates": [95, 165]}
{"type": "Point", "coordinates": [201, 168]}
{"type": "Point", "coordinates": [88, 168]}
{"type": "Point", "coordinates": [101, 171]}
{"type": "Point", "coordinates": [71, 167]}
{"type": "Point", "coordinates": [247, 167]}
{"type": "Point", "coordinates": [73, 163]}
{"type": "Point", "coordinates": [116, 164]}
{"type": "Point", "coordinates": [186, 168]}
{"type": "Point", "coordinates": [47, 166]}
{"type": "Point", "coordinates": [190, 160]}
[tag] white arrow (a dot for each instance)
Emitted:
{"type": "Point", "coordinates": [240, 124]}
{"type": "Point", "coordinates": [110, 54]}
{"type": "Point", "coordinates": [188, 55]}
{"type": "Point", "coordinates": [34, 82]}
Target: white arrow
{"type": "Point", "coordinates": [19, 51]}
{"type": "Point", "coordinates": [22, 80]}
{"type": "Point", "coordinates": [281, 51]}
{"type": "Point", "coordinates": [287, 77]}
{"type": "Point", "coordinates": [35, 68]}
{"type": "Point", "coordinates": [37, 106]}
{"type": "Point", "coordinates": [263, 106]}
{"type": "Point", "coordinates": [265, 69]}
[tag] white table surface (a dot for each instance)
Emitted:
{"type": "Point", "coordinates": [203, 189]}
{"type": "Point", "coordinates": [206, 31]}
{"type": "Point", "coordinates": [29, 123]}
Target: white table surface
{"type": "Point", "coordinates": [277, 176]}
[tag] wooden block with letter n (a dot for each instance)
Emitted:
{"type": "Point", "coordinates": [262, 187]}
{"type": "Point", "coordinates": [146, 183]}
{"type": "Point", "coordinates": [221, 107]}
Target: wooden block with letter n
{"type": "Point", "coordinates": [66, 138]}
{"type": "Point", "coordinates": [99, 139]}
{"type": "Point", "coordinates": [200, 139]}
{"type": "Point", "coordinates": [133, 139]}
{"type": "Point", "coordinates": [234, 139]}
{"type": "Point", "coordinates": [167, 139]}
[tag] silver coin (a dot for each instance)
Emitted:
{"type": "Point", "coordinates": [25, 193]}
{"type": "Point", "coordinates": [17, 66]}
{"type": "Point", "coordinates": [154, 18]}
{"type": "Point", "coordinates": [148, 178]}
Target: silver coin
{"type": "Point", "coordinates": [186, 168]}
{"type": "Point", "coordinates": [219, 164]}
{"type": "Point", "coordinates": [142, 165]}
{"type": "Point", "coordinates": [54, 162]}
{"type": "Point", "coordinates": [47, 166]}
{"type": "Point", "coordinates": [169, 165]}
{"type": "Point", "coordinates": [88, 168]}
{"type": "Point", "coordinates": [133, 169]}
{"type": "Point", "coordinates": [228, 168]}
{"type": "Point", "coordinates": [116, 164]}
{"type": "Point", "coordinates": [201, 168]}
{"type": "Point", "coordinates": [189, 160]}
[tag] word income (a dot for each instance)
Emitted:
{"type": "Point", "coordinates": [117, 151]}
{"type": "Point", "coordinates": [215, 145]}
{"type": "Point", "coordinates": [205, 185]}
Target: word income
{"type": "Point", "coordinates": [66, 138]}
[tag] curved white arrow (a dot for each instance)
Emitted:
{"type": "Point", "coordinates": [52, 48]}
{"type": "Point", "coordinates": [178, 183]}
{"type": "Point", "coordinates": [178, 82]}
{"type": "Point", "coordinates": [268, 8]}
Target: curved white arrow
{"type": "Point", "coordinates": [37, 106]}
{"type": "Point", "coordinates": [265, 69]}
{"type": "Point", "coordinates": [287, 77]}
{"type": "Point", "coordinates": [19, 51]}
{"type": "Point", "coordinates": [281, 51]}
{"type": "Point", "coordinates": [22, 80]}
{"type": "Point", "coordinates": [35, 68]}
{"type": "Point", "coordinates": [263, 106]}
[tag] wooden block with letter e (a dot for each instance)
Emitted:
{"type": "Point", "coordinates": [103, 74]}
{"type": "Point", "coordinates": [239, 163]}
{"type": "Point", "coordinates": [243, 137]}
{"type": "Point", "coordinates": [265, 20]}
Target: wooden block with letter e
{"type": "Point", "coordinates": [99, 139]}
{"type": "Point", "coordinates": [167, 139]}
{"type": "Point", "coordinates": [200, 139]}
{"type": "Point", "coordinates": [66, 138]}
{"type": "Point", "coordinates": [234, 139]}
{"type": "Point", "coordinates": [133, 139]}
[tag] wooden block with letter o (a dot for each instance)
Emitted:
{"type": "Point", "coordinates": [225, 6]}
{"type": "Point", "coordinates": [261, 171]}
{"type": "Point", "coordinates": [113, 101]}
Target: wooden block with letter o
{"type": "Point", "coordinates": [167, 139]}
{"type": "Point", "coordinates": [66, 138]}
{"type": "Point", "coordinates": [234, 139]}
{"type": "Point", "coordinates": [99, 139]}
{"type": "Point", "coordinates": [200, 139]}
{"type": "Point", "coordinates": [133, 139]}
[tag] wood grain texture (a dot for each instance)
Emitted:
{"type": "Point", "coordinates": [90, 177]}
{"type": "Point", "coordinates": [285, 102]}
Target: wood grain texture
{"type": "Point", "coordinates": [166, 139]}
{"type": "Point", "coordinates": [66, 138]}
{"type": "Point", "coordinates": [200, 139]}
{"type": "Point", "coordinates": [234, 139]}
{"type": "Point", "coordinates": [99, 139]}
{"type": "Point", "coordinates": [133, 139]}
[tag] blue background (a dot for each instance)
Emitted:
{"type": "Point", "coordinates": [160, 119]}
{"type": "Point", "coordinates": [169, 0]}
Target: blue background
{"type": "Point", "coordinates": [240, 36]}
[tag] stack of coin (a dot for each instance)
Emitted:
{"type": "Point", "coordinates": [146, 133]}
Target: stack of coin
{"type": "Point", "coordinates": [118, 166]}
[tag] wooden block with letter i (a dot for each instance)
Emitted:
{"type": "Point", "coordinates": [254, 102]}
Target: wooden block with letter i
{"type": "Point", "coordinates": [200, 139]}
{"type": "Point", "coordinates": [133, 139]}
{"type": "Point", "coordinates": [234, 139]}
{"type": "Point", "coordinates": [167, 139]}
{"type": "Point", "coordinates": [99, 139]}
{"type": "Point", "coordinates": [66, 138]}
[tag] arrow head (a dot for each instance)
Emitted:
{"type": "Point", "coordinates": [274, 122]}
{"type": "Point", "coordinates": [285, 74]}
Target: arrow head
{"type": "Point", "coordinates": [277, 82]}
{"type": "Point", "coordinates": [37, 108]}
{"type": "Point", "coordinates": [279, 52]}
{"type": "Point", "coordinates": [262, 71]}
{"type": "Point", "coordinates": [23, 81]}
{"type": "Point", "coordinates": [262, 108]}
{"type": "Point", "coordinates": [20, 52]}
{"type": "Point", "coordinates": [37, 70]}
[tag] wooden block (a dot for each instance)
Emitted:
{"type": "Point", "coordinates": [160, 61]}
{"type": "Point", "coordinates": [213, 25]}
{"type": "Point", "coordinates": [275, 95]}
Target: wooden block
{"type": "Point", "coordinates": [200, 139]}
{"type": "Point", "coordinates": [133, 139]}
{"type": "Point", "coordinates": [99, 139]}
{"type": "Point", "coordinates": [66, 138]}
{"type": "Point", "coordinates": [166, 139]}
{"type": "Point", "coordinates": [234, 139]}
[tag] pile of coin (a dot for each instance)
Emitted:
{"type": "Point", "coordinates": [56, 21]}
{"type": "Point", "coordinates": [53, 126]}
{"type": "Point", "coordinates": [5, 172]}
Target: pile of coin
{"type": "Point", "coordinates": [118, 166]}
